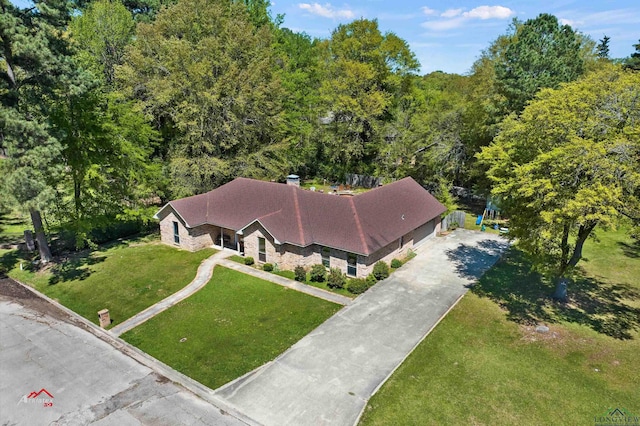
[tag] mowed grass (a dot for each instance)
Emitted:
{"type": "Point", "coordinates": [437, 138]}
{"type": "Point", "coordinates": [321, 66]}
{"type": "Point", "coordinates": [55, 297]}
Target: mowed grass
{"type": "Point", "coordinates": [233, 325]}
{"type": "Point", "coordinates": [125, 278]}
{"type": "Point", "coordinates": [12, 226]}
{"type": "Point", "coordinates": [486, 364]}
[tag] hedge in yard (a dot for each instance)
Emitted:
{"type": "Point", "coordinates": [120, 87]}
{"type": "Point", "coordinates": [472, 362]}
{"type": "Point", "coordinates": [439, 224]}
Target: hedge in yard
{"type": "Point", "coordinates": [395, 263]}
{"type": "Point", "coordinates": [357, 285]}
{"type": "Point", "coordinates": [300, 274]}
{"type": "Point", "coordinates": [381, 270]}
{"type": "Point", "coordinates": [318, 273]}
{"type": "Point", "coordinates": [336, 279]}
{"type": "Point", "coordinates": [371, 280]}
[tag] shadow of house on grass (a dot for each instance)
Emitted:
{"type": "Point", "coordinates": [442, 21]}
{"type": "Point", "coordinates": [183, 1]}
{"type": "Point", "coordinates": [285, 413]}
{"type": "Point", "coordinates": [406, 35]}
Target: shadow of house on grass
{"type": "Point", "coordinates": [74, 268]}
{"type": "Point", "coordinates": [526, 296]}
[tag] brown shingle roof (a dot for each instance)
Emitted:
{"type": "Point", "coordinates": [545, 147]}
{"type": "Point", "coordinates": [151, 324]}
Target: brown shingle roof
{"type": "Point", "coordinates": [360, 224]}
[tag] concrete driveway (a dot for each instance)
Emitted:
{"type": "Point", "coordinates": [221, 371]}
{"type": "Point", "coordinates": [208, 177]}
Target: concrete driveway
{"type": "Point", "coordinates": [54, 371]}
{"type": "Point", "coordinates": [329, 375]}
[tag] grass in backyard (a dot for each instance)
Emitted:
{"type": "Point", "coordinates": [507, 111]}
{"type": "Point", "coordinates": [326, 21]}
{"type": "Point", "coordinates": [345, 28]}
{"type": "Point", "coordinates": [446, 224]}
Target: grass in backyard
{"type": "Point", "coordinates": [12, 226]}
{"type": "Point", "coordinates": [125, 278]}
{"type": "Point", "coordinates": [233, 325]}
{"type": "Point", "coordinates": [486, 364]}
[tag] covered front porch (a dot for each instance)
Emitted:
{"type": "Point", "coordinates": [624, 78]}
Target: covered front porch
{"type": "Point", "coordinates": [229, 239]}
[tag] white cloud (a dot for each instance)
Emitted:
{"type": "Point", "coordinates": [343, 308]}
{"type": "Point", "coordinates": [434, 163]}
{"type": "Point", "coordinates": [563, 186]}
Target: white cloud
{"type": "Point", "coordinates": [489, 12]}
{"type": "Point", "coordinates": [455, 18]}
{"type": "Point", "coordinates": [444, 25]}
{"type": "Point", "coordinates": [326, 10]}
{"type": "Point", "coordinates": [451, 13]}
{"type": "Point", "coordinates": [428, 11]}
{"type": "Point", "coordinates": [569, 22]}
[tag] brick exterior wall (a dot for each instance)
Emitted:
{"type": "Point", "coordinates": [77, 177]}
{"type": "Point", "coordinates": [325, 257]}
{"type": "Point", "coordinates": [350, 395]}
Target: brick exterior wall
{"type": "Point", "coordinates": [190, 239]}
{"type": "Point", "coordinates": [288, 256]}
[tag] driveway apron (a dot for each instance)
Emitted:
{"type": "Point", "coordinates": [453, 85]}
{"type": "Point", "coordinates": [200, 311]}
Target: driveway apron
{"type": "Point", "coordinates": [328, 376]}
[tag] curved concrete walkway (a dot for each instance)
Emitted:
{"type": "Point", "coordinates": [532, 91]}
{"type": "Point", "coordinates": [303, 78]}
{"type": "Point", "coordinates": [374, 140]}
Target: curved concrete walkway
{"type": "Point", "coordinates": [328, 376]}
{"type": "Point", "coordinates": [205, 270]}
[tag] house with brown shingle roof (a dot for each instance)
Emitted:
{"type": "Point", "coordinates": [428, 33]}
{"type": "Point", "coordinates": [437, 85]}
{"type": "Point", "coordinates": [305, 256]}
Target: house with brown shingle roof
{"type": "Point", "coordinates": [289, 226]}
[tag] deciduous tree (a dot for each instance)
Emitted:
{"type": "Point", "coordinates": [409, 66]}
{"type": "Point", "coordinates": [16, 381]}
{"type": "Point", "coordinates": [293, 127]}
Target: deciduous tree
{"type": "Point", "coordinates": [570, 163]}
{"type": "Point", "coordinates": [205, 73]}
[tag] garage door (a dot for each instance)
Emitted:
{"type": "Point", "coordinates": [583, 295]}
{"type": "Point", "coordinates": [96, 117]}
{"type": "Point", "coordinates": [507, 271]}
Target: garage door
{"type": "Point", "coordinates": [424, 232]}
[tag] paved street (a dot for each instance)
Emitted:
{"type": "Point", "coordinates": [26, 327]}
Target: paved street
{"type": "Point", "coordinates": [46, 351]}
{"type": "Point", "coordinates": [328, 376]}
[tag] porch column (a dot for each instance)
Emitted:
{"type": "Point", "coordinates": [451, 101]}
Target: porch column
{"type": "Point", "coordinates": [221, 237]}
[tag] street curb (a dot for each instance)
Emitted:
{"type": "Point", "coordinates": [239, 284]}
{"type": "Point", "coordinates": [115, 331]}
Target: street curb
{"type": "Point", "coordinates": [148, 361]}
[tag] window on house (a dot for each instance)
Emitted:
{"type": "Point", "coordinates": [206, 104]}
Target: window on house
{"type": "Point", "coordinates": [262, 250]}
{"type": "Point", "coordinates": [352, 265]}
{"type": "Point", "coordinates": [401, 242]}
{"type": "Point", "coordinates": [326, 257]}
{"type": "Point", "coordinates": [176, 233]}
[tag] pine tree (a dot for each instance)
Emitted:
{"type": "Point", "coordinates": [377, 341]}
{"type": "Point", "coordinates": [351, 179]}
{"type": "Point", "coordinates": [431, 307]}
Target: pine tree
{"type": "Point", "coordinates": [35, 65]}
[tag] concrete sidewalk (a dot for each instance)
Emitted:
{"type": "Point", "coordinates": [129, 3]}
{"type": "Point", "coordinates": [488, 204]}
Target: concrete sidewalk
{"type": "Point", "coordinates": [205, 270]}
{"type": "Point", "coordinates": [329, 375]}
{"type": "Point", "coordinates": [286, 282]}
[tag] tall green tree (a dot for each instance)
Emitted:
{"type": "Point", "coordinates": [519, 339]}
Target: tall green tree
{"type": "Point", "coordinates": [603, 47]}
{"type": "Point", "coordinates": [633, 62]}
{"type": "Point", "coordinates": [540, 53]}
{"type": "Point", "coordinates": [36, 67]}
{"type": "Point", "coordinates": [569, 164]}
{"type": "Point", "coordinates": [297, 69]}
{"type": "Point", "coordinates": [102, 32]}
{"type": "Point", "coordinates": [205, 73]}
{"type": "Point", "coordinates": [363, 70]}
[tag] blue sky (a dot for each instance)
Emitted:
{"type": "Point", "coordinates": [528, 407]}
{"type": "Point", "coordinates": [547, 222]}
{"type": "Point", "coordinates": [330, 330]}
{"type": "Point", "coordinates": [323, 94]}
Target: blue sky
{"type": "Point", "coordinates": [449, 36]}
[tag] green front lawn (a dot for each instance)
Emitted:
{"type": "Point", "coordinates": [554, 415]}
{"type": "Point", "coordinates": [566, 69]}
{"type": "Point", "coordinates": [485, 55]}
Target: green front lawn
{"type": "Point", "coordinates": [233, 325]}
{"type": "Point", "coordinates": [486, 364]}
{"type": "Point", "coordinates": [125, 278]}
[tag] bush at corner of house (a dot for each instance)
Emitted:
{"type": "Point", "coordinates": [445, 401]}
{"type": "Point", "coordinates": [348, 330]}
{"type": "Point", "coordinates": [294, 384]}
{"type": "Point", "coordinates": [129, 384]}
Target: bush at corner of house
{"type": "Point", "coordinates": [396, 263]}
{"type": "Point", "coordinates": [318, 273]}
{"type": "Point", "coordinates": [300, 273]}
{"type": "Point", "coordinates": [410, 255]}
{"type": "Point", "coordinates": [268, 267]}
{"type": "Point", "coordinates": [357, 285]}
{"type": "Point", "coordinates": [381, 270]}
{"type": "Point", "coordinates": [336, 278]}
{"type": "Point", "coordinates": [248, 261]}
{"type": "Point", "coordinates": [371, 280]}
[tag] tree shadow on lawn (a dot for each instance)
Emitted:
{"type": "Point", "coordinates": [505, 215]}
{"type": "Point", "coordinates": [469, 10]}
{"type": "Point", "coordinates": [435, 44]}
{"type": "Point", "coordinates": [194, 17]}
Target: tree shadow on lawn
{"type": "Point", "coordinates": [630, 250]}
{"type": "Point", "coordinates": [526, 296]}
{"type": "Point", "coordinates": [75, 267]}
{"type": "Point", "coordinates": [471, 261]}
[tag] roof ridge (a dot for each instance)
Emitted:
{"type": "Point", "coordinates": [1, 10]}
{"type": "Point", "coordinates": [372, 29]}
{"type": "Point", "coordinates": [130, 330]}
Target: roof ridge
{"type": "Point", "coordinates": [296, 206]}
{"type": "Point", "coordinates": [358, 225]}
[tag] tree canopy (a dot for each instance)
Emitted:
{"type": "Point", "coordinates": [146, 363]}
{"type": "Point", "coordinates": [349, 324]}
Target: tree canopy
{"type": "Point", "coordinates": [570, 163]}
{"type": "Point", "coordinates": [205, 74]}
{"type": "Point", "coordinates": [540, 53]}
